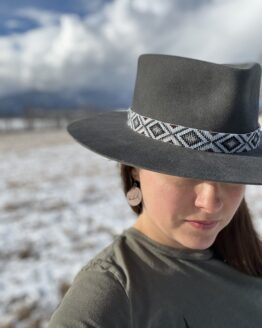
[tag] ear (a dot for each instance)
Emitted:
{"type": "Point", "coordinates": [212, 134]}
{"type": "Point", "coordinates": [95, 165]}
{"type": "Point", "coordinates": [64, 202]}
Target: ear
{"type": "Point", "coordinates": [135, 173]}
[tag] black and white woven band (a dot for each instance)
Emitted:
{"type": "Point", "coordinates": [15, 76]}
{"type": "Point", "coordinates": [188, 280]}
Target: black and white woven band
{"type": "Point", "coordinates": [193, 138]}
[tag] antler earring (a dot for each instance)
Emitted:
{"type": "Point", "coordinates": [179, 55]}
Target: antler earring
{"type": "Point", "coordinates": [134, 195]}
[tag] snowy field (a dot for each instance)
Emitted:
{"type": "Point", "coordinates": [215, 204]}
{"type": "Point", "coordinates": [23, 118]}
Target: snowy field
{"type": "Point", "coordinates": [60, 204]}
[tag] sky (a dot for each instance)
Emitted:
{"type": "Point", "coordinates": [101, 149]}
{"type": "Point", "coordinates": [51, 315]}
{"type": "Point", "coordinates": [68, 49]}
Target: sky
{"type": "Point", "coordinates": [66, 46]}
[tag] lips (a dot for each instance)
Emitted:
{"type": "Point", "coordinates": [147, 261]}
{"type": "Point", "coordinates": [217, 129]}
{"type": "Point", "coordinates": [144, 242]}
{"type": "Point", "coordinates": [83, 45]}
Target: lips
{"type": "Point", "coordinates": [206, 222]}
{"type": "Point", "coordinates": [203, 224]}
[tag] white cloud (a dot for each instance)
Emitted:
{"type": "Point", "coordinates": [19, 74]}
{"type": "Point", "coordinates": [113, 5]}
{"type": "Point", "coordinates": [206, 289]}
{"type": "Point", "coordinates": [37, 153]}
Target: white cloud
{"type": "Point", "coordinates": [101, 50]}
{"type": "Point", "coordinates": [12, 24]}
{"type": "Point", "coordinates": [153, 6]}
{"type": "Point", "coordinates": [43, 17]}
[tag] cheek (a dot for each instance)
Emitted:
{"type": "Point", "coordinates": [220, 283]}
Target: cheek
{"type": "Point", "coordinates": [163, 200]}
{"type": "Point", "coordinates": [238, 194]}
{"type": "Point", "coordinates": [234, 198]}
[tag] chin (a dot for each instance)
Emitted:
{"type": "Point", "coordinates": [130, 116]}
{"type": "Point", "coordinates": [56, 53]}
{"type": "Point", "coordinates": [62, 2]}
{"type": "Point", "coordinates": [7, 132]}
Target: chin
{"type": "Point", "coordinates": [201, 245]}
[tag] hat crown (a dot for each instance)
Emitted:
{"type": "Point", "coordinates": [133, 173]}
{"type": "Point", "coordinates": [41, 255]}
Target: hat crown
{"type": "Point", "coordinates": [198, 94]}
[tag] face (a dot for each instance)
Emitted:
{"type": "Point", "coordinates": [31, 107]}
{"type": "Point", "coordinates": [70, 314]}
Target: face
{"type": "Point", "coordinates": [171, 204]}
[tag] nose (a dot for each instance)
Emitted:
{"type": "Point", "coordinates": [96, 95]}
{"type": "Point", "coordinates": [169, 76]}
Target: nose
{"type": "Point", "coordinates": [209, 197]}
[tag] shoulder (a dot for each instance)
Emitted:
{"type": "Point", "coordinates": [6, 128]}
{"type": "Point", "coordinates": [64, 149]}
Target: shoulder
{"type": "Point", "coordinates": [97, 297]}
{"type": "Point", "coordinates": [110, 260]}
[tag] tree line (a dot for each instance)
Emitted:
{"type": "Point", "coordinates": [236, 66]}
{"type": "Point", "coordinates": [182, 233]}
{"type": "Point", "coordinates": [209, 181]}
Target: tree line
{"type": "Point", "coordinates": [39, 118]}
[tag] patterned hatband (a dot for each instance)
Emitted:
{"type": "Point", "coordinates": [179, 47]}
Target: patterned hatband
{"type": "Point", "coordinates": [178, 135]}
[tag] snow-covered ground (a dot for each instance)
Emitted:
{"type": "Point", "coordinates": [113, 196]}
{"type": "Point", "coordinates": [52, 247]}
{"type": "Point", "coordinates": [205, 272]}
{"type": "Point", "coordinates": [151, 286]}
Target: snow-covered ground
{"type": "Point", "coordinates": [60, 204]}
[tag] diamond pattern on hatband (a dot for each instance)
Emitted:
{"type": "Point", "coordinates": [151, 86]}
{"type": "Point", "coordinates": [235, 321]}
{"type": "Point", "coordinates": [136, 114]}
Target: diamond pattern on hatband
{"type": "Point", "coordinates": [217, 142]}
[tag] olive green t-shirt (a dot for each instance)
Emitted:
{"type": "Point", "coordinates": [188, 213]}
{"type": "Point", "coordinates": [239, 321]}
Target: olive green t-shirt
{"type": "Point", "coordinates": [136, 282]}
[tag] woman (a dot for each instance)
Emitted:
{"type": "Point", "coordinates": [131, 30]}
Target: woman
{"type": "Point", "coordinates": [187, 148]}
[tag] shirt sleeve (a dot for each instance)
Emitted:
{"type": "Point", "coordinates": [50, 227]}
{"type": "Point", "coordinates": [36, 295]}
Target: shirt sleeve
{"type": "Point", "coordinates": [95, 300]}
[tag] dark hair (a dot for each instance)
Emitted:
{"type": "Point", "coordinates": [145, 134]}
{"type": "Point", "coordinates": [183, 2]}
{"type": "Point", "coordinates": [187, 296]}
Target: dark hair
{"type": "Point", "coordinates": [237, 244]}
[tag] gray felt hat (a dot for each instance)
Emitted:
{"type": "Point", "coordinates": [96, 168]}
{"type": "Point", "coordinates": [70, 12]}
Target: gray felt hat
{"type": "Point", "coordinates": [188, 118]}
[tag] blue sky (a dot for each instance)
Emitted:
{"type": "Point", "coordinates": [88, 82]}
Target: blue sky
{"type": "Point", "coordinates": [11, 21]}
{"type": "Point", "coordinates": [66, 46]}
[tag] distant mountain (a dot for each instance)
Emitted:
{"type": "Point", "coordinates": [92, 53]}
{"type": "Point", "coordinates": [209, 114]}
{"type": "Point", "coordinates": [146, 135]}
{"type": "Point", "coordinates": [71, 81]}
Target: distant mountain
{"type": "Point", "coordinates": [13, 105]}
{"type": "Point", "coordinates": [16, 104]}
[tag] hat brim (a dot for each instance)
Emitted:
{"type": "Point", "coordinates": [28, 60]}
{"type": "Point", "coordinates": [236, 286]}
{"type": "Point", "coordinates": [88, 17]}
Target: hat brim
{"type": "Point", "coordinates": [108, 134]}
